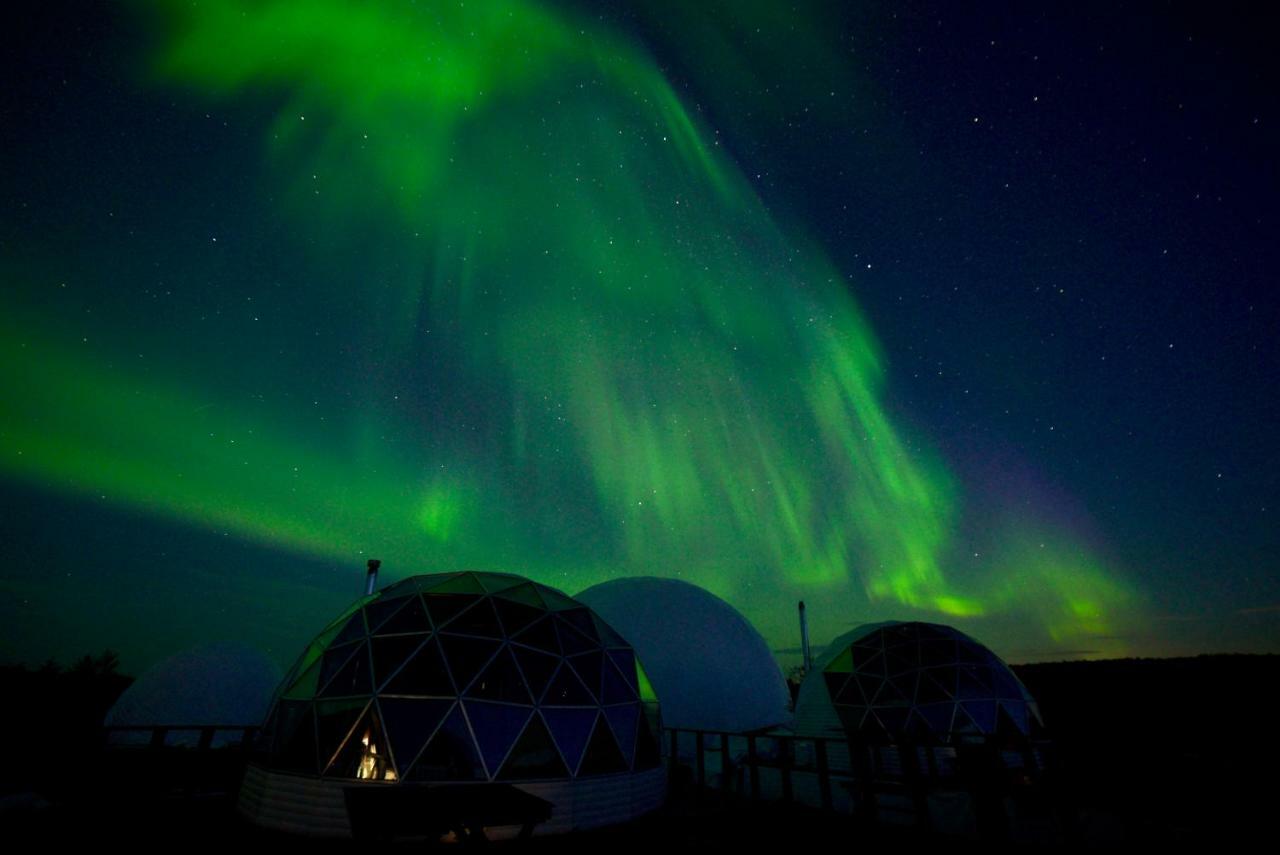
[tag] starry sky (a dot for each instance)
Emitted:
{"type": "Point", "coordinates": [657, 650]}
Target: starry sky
{"type": "Point", "coordinates": [954, 312]}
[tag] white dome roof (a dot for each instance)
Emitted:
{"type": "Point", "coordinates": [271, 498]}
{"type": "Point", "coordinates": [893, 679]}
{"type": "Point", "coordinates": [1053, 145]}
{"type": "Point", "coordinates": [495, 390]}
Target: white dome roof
{"type": "Point", "coordinates": [227, 684]}
{"type": "Point", "coordinates": [709, 667]}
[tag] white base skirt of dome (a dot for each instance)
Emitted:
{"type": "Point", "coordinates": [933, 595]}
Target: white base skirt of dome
{"type": "Point", "coordinates": [301, 804]}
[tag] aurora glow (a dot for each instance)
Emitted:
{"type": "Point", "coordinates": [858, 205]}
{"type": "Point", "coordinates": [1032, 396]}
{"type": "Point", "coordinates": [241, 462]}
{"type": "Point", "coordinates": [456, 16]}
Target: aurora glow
{"type": "Point", "coordinates": [557, 331]}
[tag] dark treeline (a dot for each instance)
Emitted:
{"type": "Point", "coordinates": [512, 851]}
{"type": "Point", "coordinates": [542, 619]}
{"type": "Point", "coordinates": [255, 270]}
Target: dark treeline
{"type": "Point", "coordinates": [1164, 745]}
{"type": "Point", "coordinates": [52, 719]}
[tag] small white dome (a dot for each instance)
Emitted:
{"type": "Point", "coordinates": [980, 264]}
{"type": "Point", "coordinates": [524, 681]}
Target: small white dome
{"type": "Point", "coordinates": [711, 669]}
{"type": "Point", "coordinates": [228, 684]}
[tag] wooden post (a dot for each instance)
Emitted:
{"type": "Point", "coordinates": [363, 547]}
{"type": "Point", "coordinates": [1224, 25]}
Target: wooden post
{"type": "Point", "coordinates": [824, 777]}
{"type": "Point", "coordinates": [784, 759]}
{"type": "Point", "coordinates": [752, 767]}
{"type": "Point", "coordinates": [697, 747]}
{"type": "Point", "coordinates": [724, 762]}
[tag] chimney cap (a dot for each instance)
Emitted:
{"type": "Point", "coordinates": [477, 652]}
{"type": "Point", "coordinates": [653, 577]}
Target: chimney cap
{"type": "Point", "coordinates": [374, 564]}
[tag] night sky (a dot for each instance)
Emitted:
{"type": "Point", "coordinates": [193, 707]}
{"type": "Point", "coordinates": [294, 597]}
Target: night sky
{"type": "Point", "coordinates": [950, 312]}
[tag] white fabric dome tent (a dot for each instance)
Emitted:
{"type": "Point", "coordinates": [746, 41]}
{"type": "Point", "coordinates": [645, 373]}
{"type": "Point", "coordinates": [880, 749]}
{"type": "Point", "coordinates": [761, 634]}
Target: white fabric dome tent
{"type": "Point", "coordinates": [709, 665]}
{"type": "Point", "coordinates": [225, 684]}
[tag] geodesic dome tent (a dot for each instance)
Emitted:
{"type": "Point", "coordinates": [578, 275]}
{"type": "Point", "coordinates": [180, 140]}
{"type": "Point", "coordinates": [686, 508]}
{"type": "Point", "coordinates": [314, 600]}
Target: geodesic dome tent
{"type": "Point", "coordinates": [923, 680]}
{"type": "Point", "coordinates": [228, 685]}
{"type": "Point", "coordinates": [461, 678]}
{"type": "Point", "coordinates": [709, 665]}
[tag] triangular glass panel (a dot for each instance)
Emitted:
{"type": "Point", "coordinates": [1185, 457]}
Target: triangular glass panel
{"type": "Point", "coordinates": [917, 727]}
{"type": "Point", "coordinates": [334, 659]}
{"type": "Point", "coordinates": [364, 755]}
{"type": "Point", "coordinates": [581, 620]}
{"type": "Point", "coordinates": [398, 589]}
{"type": "Point", "coordinates": [622, 719]}
{"type": "Point", "coordinates": [647, 754]}
{"type": "Point", "coordinates": [842, 664]}
{"type": "Point", "coordinates": [496, 727]}
{"type": "Point", "coordinates": [566, 690]}
{"type": "Point", "coordinates": [353, 631]}
{"type": "Point", "coordinates": [614, 689]}
{"type": "Point", "coordinates": [354, 678]}
{"type": "Point", "coordinates": [874, 666]}
{"type": "Point", "coordinates": [337, 624]}
{"type": "Point", "coordinates": [390, 652]}
{"type": "Point", "coordinates": [450, 755]}
{"type": "Point", "coordinates": [851, 716]}
{"type": "Point", "coordinates": [313, 653]}
{"type": "Point", "coordinates": [850, 692]}
{"type": "Point", "coordinates": [626, 662]}
{"type": "Point", "coordinates": [971, 683]}
{"type": "Point", "coordinates": [862, 655]}
{"type": "Point", "coordinates": [304, 688]}
{"type": "Point", "coordinates": [606, 633]}
{"type": "Point", "coordinates": [968, 651]}
{"type": "Point", "coordinates": [937, 716]}
{"type": "Point", "coordinates": [537, 668]}
{"type": "Point", "coordinates": [570, 728]}
{"type": "Point", "coordinates": [835, 683]}
{"type": "Point", "coordinates": [906, 684]}
{"type": "Point", "coordinates": [463, 583]}
{"type": "Point", "coordinates": [377, 612]}
{"type": "Point", "coordinates": [411, 618]}
{"type": "Point", "coordinates": [525, 594]}
{"type": "Point", "coordinates": [928, 691]}
{"type": "Point", "coordinates": [1017, 713]}
{"type": "Point", "coordinates": [542, 635]}
{"type": "Point", "coordinates": [295, 737]}
{"type": "Point", "coordinates": [534, 755]}
{"type": "Point", "coordinates": [495, 582]}
{"type": "Point", "coordinates": [653, 715]}
{"type": "Point", "coordinates": [870, 685]}
{"type": "Point", "coordinates": [1004, 684]}
{"type": "Point", "coordinates": [901, 659]}
{"type": "Point", "coordinates": [983, 714]}
{"type": "Point", "coordinates": [334, 721]}
{"type": "Point", "coordinates": [501, 681]}
{"type": "Point", "coordinates": [889, 695]}
{"type": "Point", "coordinates": [934, 652]}
{"type": "Point", "coordinates": [424, 674]}
{"type": "Point", "coordinates": [962, 723]}
{"type": "Point", "coordinates": [445, 607]}
{"type": "Point", "coordinates": [646, 688]}
{"type": "Point", "coordinates": [409, 723]}
{"type": "Point", "coordinates": [573, 641]}
{"type": "Point", "coordinates": [893, 718]}
{"type": "Point", "coordinates": [602, 756]}
{"type": "Point", "coordinates": [467, 657]}
{"type": "Point", "coordinates": [555, 600]}
{"type": "Point", "coordinates": [480, 619]}
{"type": "Point", "coordinates": [589, 667]}
{"type": "Point", "coordinates": [515, 616]}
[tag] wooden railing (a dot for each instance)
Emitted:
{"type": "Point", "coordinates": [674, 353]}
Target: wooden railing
{"type": "Point", "coordinates": [874, 780]}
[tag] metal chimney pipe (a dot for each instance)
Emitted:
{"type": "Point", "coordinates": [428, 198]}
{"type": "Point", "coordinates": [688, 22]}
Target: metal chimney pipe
{"type": "Point", "coordinates": [804, 639]}
{"type": "Point", "coordinates": [371, 577]}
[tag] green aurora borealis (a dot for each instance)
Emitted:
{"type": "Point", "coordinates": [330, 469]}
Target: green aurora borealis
{"type": "Point", "coordinates": [554, 329]}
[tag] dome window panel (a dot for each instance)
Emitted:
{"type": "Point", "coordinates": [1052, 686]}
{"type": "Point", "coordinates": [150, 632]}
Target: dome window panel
{"type": "Point", "coordinates": [411, 618]}
{"type": "Point", "coordinates": [479, 619]}
{"type": "Point", "coordinates": [501, 680]}
{"type": "Point", "coordinates": [445, 607]}
{"type": "Point", "coordinates": [496, 727]}
{"type": "Point", "coordinates": [410, 723]}
{"type": "Point", "coordinates": [571, 728]}
{"type": "Point", "coordinates": [450, 754]}
{"type": "Point", "coordinates": [392, 651]}
{"type": "Point", "coordinates": [534, 755]}
{"type": "Point", "coordinates": [467, 657]}
{"type": "Point", "coordinates": [425, 673]}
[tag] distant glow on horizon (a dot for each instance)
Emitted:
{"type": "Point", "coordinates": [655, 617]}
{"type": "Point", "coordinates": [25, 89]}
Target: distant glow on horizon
{"type": "Point", "coordinates": [608, 357]}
